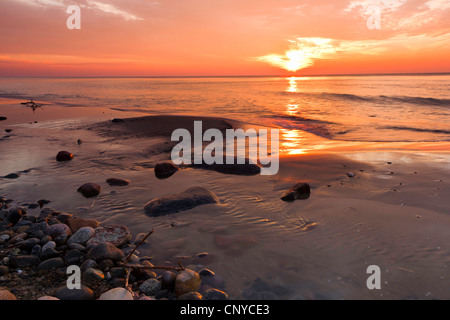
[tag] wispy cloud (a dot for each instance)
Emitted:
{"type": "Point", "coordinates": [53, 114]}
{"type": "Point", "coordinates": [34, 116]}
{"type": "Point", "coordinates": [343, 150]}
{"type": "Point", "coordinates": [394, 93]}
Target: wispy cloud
{"type": "Point", "coordinates": [88, 4]}
{"type": "Point", "coordinates": [111, 9]}
{"type": "Point", "coordinates": [303, 52]}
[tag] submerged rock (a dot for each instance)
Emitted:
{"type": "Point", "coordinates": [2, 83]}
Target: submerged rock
{"type": "Point", "coordinates": [64, 156]}
{"type": "Point", "coordinates": [182, 201]}
{"type": "Point", "coordinates": [165, 169]}
{"type": "Point", "coordinates": [117, 182]}
{"type": "Point", "coordinates": [90, 190]}
{"type": "Point", "coordinates": [246, 169]}
{"type": "Point", "coordinates": [300, 191]}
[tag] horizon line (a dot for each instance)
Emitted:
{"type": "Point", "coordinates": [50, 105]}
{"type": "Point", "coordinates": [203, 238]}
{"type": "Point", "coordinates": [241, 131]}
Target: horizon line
{"type": "Point", "coordinates": [239, 76]}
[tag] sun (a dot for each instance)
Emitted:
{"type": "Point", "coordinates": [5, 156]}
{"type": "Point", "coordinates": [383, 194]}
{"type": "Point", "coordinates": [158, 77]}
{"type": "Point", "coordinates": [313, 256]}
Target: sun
{"type": "Point", "coordinates": [301, 54]}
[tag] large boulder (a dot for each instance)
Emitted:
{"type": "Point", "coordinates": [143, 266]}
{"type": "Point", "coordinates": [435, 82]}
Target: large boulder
{"type": "Point", "coordinates": [182, 201]}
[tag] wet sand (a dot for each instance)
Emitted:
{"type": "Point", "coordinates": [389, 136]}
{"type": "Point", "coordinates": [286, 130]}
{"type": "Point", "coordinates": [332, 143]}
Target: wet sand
{"type": "Point", "coordinates": [393, 213]}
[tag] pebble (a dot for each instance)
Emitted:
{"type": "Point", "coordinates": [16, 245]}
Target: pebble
{"type": "Point", "coordinates": [64, 156]}
{"type": "Point", "coordinates": [191, 296]}
{"type": "Point", "coordinates": [54, 263]}
{"type": "Point", "coordinates": [90, 190]}
{"type": "Point", "coordinates": [150, 287]}
{"type": "Point", "coordinates": [215, 294]}
{"type": "Point", "coordinates": [84, 293]}
{"type": "Point", "coordinates": [117, 182]}
{"type": "Point", "coordinates": [165, 169]}
{"type": "Point", "coordinates": [115, 234]}
{"type": "Point", "coordinates": [186, 281]}
{"type": "Point", "coordinates": [6, 295]}
{"type": "Point", "coordinates": [117, 294]}
{"type": "Point", "coordinates": [47, 298]}
{"type": "Point", "coordinates": [300, 191]}
{"type": "Point", "coordinates": [93, 275]}
{"type": "Point", "coordinates": [81, 236]}
{"type": "Point", "coordinates": [105, 250]}
{"type": "Point", "coordinates": [182, 201]}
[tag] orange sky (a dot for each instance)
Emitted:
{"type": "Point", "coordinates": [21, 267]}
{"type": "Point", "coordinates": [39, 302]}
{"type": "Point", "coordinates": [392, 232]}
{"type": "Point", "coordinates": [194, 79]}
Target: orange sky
{"type": "Point", "coordinates": [216, 37]}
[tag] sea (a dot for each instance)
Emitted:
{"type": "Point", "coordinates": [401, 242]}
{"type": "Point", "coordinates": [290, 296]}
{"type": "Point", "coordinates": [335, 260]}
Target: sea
{"type": "Point", "coordinates": [379, 108]}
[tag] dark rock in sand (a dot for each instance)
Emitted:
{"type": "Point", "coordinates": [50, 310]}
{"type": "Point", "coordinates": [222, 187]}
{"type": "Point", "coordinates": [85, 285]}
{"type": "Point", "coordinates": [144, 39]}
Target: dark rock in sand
{"type": "Point", "coordinates": [54, 263]}
{"type": "Point", "coordinates": [105, 250]}
{"type": "Point", "coordinates": [115, 234]}
{"type": "Point", "coordinates": [24, 261]}
{"type": "Point", "coordinates": [165, 170]}
{"type": "Point", "coordinates": [117, 182]}
{"type": "Point", "coordinates": [182, 201]}
{"type": "Point", "coordinates": [64, 156]}
{"type": "Point", "coordinates": [84, 293]}
{"type": "Point", "coordinates": [246, 169]}
{"type": "Point", "coordinates": [300, 191]}
{"type": "Point", "coordinates": [8, 130]}
{"type": "Point", "coordinates": [15, 214]}
{"type": "Point", "coordinates": [12, 176]}
{"type": "Point", "coordinates": [117, 120]}
{"type": "Point", "coordinates": [3, 118]}
{"type": "Point", "coordinates": [90, 190]}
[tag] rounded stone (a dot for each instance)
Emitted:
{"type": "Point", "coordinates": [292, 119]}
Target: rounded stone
{"type": "Point", "coordinates": [90, 190]}
{"type": "Point", "coordinates": [54, 263]}
{"type": "Point", "coordinates": [84, 293]}
{"type": "Point", "coordinates": [64, 156]}
{"type": "Point", "coordinates": [105, 250]}
{"type": "Point", "coordinates": [117, 294]}
{"type": "Point", "coordinates": [191, 296]}
{"type": "Point", "coordinates": [215, 294]}
{"type": "Point", "coordinates": [117, 182]}
{"type": "Point", "coordinates": [150, 287]}
{"type": "Point", "coordinates": [115, 234]}
{"type": "Point", "coordinates": [81, 236]}
{"type": "Point", "coordinates": [6, 295]}
{"type": "Point", "coordinates": [187, 281]}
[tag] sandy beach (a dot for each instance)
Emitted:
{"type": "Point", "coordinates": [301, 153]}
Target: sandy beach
{"type": "Point", "coordinates": [382, 203]}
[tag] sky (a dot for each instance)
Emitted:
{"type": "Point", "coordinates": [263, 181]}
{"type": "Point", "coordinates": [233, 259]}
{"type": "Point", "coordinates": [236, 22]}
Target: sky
{"type": "Point", "coordinates": [223, 37]}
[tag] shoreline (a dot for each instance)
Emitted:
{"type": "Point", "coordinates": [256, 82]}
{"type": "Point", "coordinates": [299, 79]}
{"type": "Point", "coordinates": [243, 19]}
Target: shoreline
{"type": "Point", "coordinates": [391, 212]}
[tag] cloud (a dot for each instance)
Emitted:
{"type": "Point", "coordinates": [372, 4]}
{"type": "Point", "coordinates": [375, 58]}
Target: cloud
{"type": "Point", "coordinates": [111, 9]}
{"type": "Point", "coordinates": [88, 4]}
{"type": "Point", "coordinates": [303, 52]}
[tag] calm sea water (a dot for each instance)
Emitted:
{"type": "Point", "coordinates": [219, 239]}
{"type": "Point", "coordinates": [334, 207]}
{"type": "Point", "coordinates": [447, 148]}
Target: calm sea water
{"type": "Point", "coordinates": [355, 108]}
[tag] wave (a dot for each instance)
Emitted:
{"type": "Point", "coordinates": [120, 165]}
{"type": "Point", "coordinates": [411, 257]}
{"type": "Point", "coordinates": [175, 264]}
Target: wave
{"type": "Point", "coordinates": [417, 129]}
{"type": "Point", "coordinates": [318, 127]}
{"type": "Point", "coordinates": [426, 101]}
